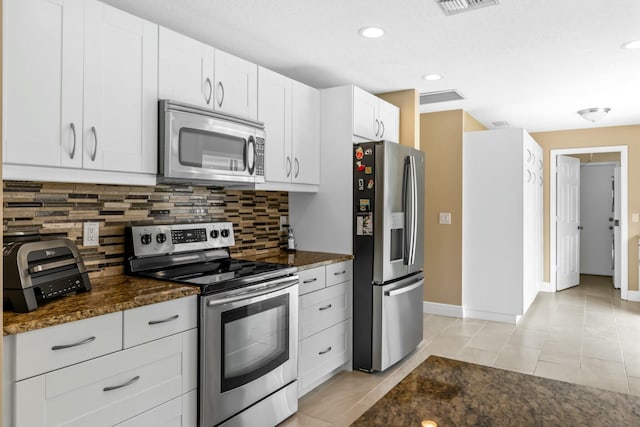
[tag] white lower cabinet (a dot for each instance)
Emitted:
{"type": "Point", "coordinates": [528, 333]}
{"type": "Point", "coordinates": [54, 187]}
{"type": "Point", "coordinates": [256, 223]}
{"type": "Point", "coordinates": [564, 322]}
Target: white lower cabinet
{"type": "Point", "coordinates": [153, 383]}
{"type": "Point", "coordinates": [325, 324]}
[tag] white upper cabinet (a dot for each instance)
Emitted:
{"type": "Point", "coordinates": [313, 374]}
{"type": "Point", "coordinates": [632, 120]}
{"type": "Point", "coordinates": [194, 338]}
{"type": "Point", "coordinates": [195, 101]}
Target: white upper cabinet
{"type": "Point", "coordinates": [235, 89]}
{"type": "Point", "coordinates": [43, 57]}
{"type": "Point", "coordinates": [373, 118]}
{"type": "Point", "coordinates": [185, 70]}
{"type": "Point", "coordinates": [306, 134]}
{"type": "Point", "coordinates": [121, 90]}
{"type": "Point", "coordinates": [81, 91]}
{"type": "Point", "coordinates": [290, 111]}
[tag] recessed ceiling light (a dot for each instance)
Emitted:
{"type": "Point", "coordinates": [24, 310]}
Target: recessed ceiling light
{"type": "Point", "coordinates": [371, 32]}
{"type": "Point", "coordinates": [432, 77]}
{"type": "Point", "coordinates": [634, 44]}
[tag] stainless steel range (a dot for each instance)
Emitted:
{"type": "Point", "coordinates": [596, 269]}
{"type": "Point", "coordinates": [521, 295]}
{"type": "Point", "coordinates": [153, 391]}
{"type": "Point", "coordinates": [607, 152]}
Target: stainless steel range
{"type": "Point", "coordinates": [248, 327]}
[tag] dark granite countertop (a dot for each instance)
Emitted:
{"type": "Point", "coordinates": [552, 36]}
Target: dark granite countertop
{"type": "Point", "coordinates": [108, 295]}
{"type": "Point", "coordinates": [453, 393]}
{"type": "Point", "coordinates": [304, 260]}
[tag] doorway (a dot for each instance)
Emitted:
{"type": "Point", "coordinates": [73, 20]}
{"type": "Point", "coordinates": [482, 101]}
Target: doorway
{"type": "Point", "coordinates": [555, 211]}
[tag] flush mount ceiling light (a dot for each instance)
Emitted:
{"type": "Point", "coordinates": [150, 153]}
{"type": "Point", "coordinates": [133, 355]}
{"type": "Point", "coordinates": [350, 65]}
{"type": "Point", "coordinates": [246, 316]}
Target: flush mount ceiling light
{"type": "Point", "coordinates": [432, 77]}
{"type": "Point", "coordinates": [594, 114]}
{"type": "Point", "coordinates": [371, 32]}
{"type": "Point", "coordinates": [633, 44]}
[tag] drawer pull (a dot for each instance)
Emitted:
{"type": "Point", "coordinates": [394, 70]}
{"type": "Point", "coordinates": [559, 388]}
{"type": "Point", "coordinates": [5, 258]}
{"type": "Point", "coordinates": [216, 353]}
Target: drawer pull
{"type": "Point", "coordinates": [168, 319]}
{"type": "Point", "coordinates": [326, 307]}
{"type": "Point", "coordinates": [315, 279]}
{"type": "Point", "coordinates": [325, 351]}
{"type": "Point", "coordinates": [62, 347]}
{"type": "Point", "coordinates": [115, 387]}
{"type": "Point", "coordinates": [340, 272]}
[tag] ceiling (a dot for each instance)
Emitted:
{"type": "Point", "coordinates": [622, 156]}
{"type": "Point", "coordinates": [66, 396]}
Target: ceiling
{"type": "Point", "coordinates": [531, 63]}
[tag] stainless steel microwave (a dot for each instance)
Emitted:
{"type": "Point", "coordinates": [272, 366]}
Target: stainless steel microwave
{"type": "Point", "coordinates": [201, 146]}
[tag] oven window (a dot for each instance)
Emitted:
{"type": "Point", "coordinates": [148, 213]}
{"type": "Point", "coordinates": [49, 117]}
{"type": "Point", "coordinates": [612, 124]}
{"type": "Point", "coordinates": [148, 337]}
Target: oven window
{"type": "Point", "coordinates": [211, 150]}
{"type": "Point", "coordinates": [255, 340]}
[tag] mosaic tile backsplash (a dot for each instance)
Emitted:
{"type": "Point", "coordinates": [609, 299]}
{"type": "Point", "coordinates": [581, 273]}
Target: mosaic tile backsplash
{"type": "Point", "coordinates": [60, 209]}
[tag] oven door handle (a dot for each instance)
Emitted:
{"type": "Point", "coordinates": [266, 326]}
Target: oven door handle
{"type": "Point", "coordinates": [267, 289]}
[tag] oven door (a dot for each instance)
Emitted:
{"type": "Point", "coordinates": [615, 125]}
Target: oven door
{"type": "Point", "coordinates": [248, 348]}
{"type": "Point", "coordinates": [204, 146]}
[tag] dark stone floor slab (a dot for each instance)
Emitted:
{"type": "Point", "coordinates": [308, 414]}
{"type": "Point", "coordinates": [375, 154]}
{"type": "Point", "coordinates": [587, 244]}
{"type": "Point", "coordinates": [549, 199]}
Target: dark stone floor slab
{"type": "Point", "coordinates": [455, 393]}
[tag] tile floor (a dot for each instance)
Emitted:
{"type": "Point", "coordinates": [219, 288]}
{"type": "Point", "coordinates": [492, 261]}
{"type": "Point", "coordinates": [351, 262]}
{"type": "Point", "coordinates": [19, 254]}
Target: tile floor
{"type": "Point", "coordinates": [584, 335]}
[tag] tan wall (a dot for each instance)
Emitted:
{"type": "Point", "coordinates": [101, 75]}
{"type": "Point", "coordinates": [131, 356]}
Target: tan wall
{"type": "Point", "coordinates": [409, 103]}
{"type": "Point", "coordinates": [599, 137]}
{"type": "Point", "coordinates": [470, 124]}
{"type": "Point", "coordinates": [597, 157]}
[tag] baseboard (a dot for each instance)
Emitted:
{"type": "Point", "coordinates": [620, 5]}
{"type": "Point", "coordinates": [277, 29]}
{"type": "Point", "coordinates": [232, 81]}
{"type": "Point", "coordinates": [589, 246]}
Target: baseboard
{"type": "Point", "coordinates": [489, 315]}
{"type": "Point", "coordinates": [545, 287]}
{"type": "Point", "coordinates": [442, 309]}
{"type": "Point", "coordinates": [633, 296]}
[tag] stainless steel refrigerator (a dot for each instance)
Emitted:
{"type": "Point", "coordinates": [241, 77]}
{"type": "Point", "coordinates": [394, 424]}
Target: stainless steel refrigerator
{"type": "Point", "coordinates": [388, 236]}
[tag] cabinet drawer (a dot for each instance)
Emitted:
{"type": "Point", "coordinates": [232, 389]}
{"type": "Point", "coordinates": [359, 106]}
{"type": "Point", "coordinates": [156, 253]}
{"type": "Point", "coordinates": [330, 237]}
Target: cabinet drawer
{"type": "Point", "coordinates": [155, 321]}
{"type": "Point", "coordinates": [106, 390]}
{"type": "Point", "coordinates": [324, 308]}
{"type": "Point", "coordinates": [339, 272]}
{"type": "Point", "coordinates": [52, 348]}
{"type": "Point", "coordinates": [324, 352]}
{"type": "Point", "coordinates": [166, 415]}
{"type": "Point", "coordinates": [311, 280]}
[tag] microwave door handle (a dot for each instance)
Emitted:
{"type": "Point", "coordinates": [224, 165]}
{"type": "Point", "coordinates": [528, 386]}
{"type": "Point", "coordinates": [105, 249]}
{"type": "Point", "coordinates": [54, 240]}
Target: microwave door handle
{"type": "Point", "coordinates": [249, 155]}
{"type": "Point", "coordinates": [405, 195]}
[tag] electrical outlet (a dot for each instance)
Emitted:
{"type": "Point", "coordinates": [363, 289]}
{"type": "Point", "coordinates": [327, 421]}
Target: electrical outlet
{"type": "Point", "coordinates": [635, 217]}
{"type": "Point", "coordinates": [90, 233]}
{"type": "Point", "coordinates": [283, 222]}
{"type": "Point", "coordinates": [445, 218]}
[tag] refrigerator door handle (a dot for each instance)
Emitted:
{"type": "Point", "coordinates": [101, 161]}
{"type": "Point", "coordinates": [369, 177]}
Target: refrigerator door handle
{"type": "Point", "coordinates": [406, 188]}
{"type": "Point", "coordinates": [414, 213]}
{"type": "Point", "coordinates": [403, 290]}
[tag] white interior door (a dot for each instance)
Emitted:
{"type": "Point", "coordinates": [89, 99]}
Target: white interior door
{"type": "Point", "coordinates": [617, 238]}
{"type": "Point", "coordinates": [596, 219]}
{"type": "Point", "coordinates": [567, 223]}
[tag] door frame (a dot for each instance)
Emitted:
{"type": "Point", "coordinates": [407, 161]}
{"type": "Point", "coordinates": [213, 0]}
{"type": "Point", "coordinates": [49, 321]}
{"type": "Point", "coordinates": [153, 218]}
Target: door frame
{"type": "Point", "coordinates": [624, 253]}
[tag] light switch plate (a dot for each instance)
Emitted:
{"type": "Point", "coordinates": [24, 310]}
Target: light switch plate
{"type": "Point", "coordinates": [445, 218]}
{"type": "Point", "coordinates": [635, 217]}
{"type": "Point", "coordinates": [283, 222]}
{"type": "Point", "coordinates": [91, 234]}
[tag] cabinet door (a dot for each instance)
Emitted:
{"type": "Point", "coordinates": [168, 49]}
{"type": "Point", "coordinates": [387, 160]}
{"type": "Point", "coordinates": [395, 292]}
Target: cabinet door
{"type": "Point", "coordinates": [365, 114]}
{"type": "Point", "coordinates": [306, 134]}
{"type": "Point", "coordinates": [43, 82]}
{"type": "Point", "coordinates": [389, 116]}
{"type": "Point", "coordinates": [185, 70]}
{"type": "Point", "coordinates": [120, 91]}
{"type": "Point", "coordinates": [236, 85]}
{"type": "Point", "coordinates": [274, 110]}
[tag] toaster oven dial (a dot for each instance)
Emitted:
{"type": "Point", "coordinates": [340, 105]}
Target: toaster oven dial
{"type": "Point", "coordinates": [161, 238]}
{"type": "Point", "coordinates": [214, 234]}
{"type": "Point", "coordinates": [145, 238]}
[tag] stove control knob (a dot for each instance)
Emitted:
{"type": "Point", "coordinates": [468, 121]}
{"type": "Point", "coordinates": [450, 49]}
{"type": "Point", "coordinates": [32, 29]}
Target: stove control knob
{"type": "Point", "coordinates": [145, 239]}
{"type": "Point", "coordinates": [214, 234]}
{"type": "Point", "coordinates": [161, 238]}
{"type": "Point", "coordinates": [224, 233]}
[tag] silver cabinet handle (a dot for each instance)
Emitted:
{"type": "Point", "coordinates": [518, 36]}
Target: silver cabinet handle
{"type": "Point", "coordinates": [76, 344]}
{"type": "Point", "coordinates": [295, 175]}
{"type": "Point", "coordinates": [403, 290]}
{"type": "Point", "coordinates": [168, 319]}
{"type": "Point", "coordinates": [221, 87]}
{"type": "Point", "coordinates": [326, 307]}
{"type": "Point", "coordinates": [325, 351]}
{"type": "Point", "coordinates": [340, 272]}
{"type": "Point", "coordinates": [288, 166]}
{"type": "Point", "coordinates": [382, 126]}
{"type": "Point", "coordinates": [128, 383]}
{"type": "Point", "coordinates": [207, 98]}
{"type": "Point", "coordinates": [377, 126]}
{"type": "Point", "coordinates": [73, 149]}
{"type": "Point", "coordinates": [95, 147]}
{"type": "Point", "coordinates": [315, 279]}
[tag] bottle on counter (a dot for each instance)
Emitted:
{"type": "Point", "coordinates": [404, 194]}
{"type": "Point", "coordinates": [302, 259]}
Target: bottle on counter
{"type": "Point", "coordinates": [291, 242]}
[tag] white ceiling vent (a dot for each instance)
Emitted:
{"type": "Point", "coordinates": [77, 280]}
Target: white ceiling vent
{"type": "Point", "coordinates": [500, 124]}
{"type": "Point", "coordinates": [440, 96]}
{"type": "Point", "coordinates": [451, 7]}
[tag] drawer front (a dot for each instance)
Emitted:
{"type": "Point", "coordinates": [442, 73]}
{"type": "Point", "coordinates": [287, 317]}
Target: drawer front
{"type": "Point", "coordinates": [311, 280]}
{"type": "Point", "coordinates": [106, 390]}
{"type": "Point", "coordinates": [46, 349]}
{"type": "Point", "coordinates": [339, 272]}
{"type": "Point", "coordinates": [324, 352]}
{"type": "Point", "coordinates": [166, 415]}
{"type": "Point", "coordinates": [324, 308]}
{"type": "Point", "coordinates": [151, 322]}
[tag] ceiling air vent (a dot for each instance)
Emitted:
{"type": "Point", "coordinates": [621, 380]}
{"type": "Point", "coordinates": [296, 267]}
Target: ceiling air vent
{"type": "Point", "coordinates": [451, 7]}
{"type": "Point", "coordinates": [440, 96]}
{"type": "Point", "coordinates": [500, 124]}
